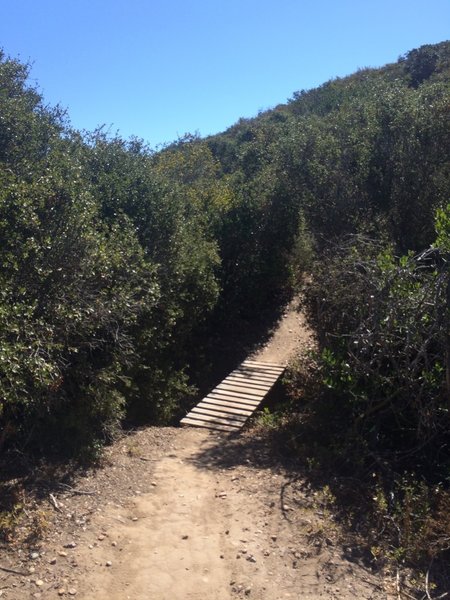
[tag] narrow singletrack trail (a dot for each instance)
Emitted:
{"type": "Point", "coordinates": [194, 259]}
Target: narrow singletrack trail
{"type": "Point", "coordinates": [193, 514]}
{"type": "Point", "coordinates": [218, 526]}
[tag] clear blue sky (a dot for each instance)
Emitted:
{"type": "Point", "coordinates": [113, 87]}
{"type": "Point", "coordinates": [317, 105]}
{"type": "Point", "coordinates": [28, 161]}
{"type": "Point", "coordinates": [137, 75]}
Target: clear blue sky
{"type": "Point", "coordinates": [160, 68]}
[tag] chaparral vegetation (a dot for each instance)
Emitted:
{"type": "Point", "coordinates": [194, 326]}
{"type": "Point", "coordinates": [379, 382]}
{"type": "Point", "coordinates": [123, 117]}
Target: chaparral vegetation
{"type": "Point", "coordinates": [123, 270]}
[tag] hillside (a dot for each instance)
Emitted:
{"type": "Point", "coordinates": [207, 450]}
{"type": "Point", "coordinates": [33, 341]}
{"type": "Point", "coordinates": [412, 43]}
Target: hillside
{"type": "Point", "coordinates": [131, 281]}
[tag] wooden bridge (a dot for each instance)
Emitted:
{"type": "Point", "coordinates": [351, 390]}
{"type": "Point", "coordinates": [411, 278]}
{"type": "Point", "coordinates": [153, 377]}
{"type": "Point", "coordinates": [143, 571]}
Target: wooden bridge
{"type": "Point", "coordinates": [228, 406]}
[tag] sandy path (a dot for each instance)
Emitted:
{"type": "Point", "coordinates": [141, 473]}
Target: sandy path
{"type": "Point", "coordinates": [210, 516]}
{"type": "Point", "coordinates": [215, 527]}
{"type": "Point", "coordinates": [291, 336]}
{"type": "Point", "coordinates": [176, 545]}
{"type": "Point", "coordinates": [187, 537]}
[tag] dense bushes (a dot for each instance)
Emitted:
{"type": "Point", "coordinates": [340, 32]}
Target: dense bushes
{"type": "Point", "coordinates": [372, 414]}
{"type": "Point", "coordinates": [383, 325]}
{"type": "Point", "coordinates": [72, 287]}
{"type": "Point", "coordinates": [358, 172]}
{"type": "Point", "coordinates": [117, 261]}
{"type": "Point", "coordinates": [104, 274]}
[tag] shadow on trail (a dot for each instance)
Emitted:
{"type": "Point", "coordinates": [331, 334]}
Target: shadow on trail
{"type": "Point", "coordinates": [228, 451]}
{"type": "Point", "coordinates": [219, 452]}
{"type": "Point", "coordinates": [293, 492]}
{"type": "Point", "coordinates": [300, 487]}
{"type": "Point", "coordinates": [318, 483]}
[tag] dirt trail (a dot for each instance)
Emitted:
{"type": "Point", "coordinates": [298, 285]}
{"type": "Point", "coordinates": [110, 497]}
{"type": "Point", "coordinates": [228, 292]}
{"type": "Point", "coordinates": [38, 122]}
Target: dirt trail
{"type": "Point", "coordinates": [173, 548]}
{"type": "Point", "coordinates": [184, 514]}
{"type": "Point", "coordinates": [290, 336]}
{"type": "Point", "coordinates": [215, 528]}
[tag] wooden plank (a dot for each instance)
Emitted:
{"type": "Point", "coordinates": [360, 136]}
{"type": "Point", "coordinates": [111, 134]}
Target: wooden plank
{"type": "Point", "coordinates": [265, 363]}
{"type": "Point", "coordinates": [235, 388]}
{"type": "Point", "coordinates": [190, 420]}
{"type": "Point", "coordinates": [225, 406]}
{"type": "Point", "coordinates": [211, 419]}
{"type": "Point", "coordinates": [239, 389]}
{"type": "Point", "coordinates": [246, 409]}
{"type": "Point", "coordinates": [263, 367]}
{"type": "Point", "coordinates": [257, 370]}
{"type": "Point", "coordinates": [248, 366]}
{"type": "Point", "coordinates": [206, 425]}
{"type": "Point", "coordinates": [232, 401]}
{"type": "Point", "coordinates": [249, 383]}
{"type": "Point", "coordinates": [228, 406]}
{"type": "Point", "coordinates": [266, 375]}
{"type": "Point", "coordinates": [255, 376]}
{"type": "Point", "coordinates": [239, 393]}
{"type": "Point", "coordinates": [252, 380]}
{"type": "Point", "coordinates": [235, 399]}
{"type": "Point", "coordinates": [212, 412]}
{"type": "Point", "coordinates": [243, 388]}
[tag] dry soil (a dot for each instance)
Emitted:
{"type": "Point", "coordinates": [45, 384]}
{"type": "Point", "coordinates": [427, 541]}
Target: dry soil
{"type": "Point", "coordinates": [184, 514]}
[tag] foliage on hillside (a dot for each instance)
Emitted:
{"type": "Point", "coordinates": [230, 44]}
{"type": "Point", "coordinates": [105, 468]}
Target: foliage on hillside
{"type": "Point", "coordinates": [116, 262]}
{"type": "Point", "coordinates": [357, 173]}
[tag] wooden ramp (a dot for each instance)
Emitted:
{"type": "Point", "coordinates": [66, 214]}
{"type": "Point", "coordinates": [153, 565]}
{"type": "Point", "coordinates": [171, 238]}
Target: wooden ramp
{"type": "Point", "coordinates": [228, 406]}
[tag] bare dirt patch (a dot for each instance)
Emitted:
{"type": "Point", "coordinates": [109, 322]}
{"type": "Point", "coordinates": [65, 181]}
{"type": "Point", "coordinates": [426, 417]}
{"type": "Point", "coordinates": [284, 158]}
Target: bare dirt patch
{"type": "Point", "coordinates": [214, 516]}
